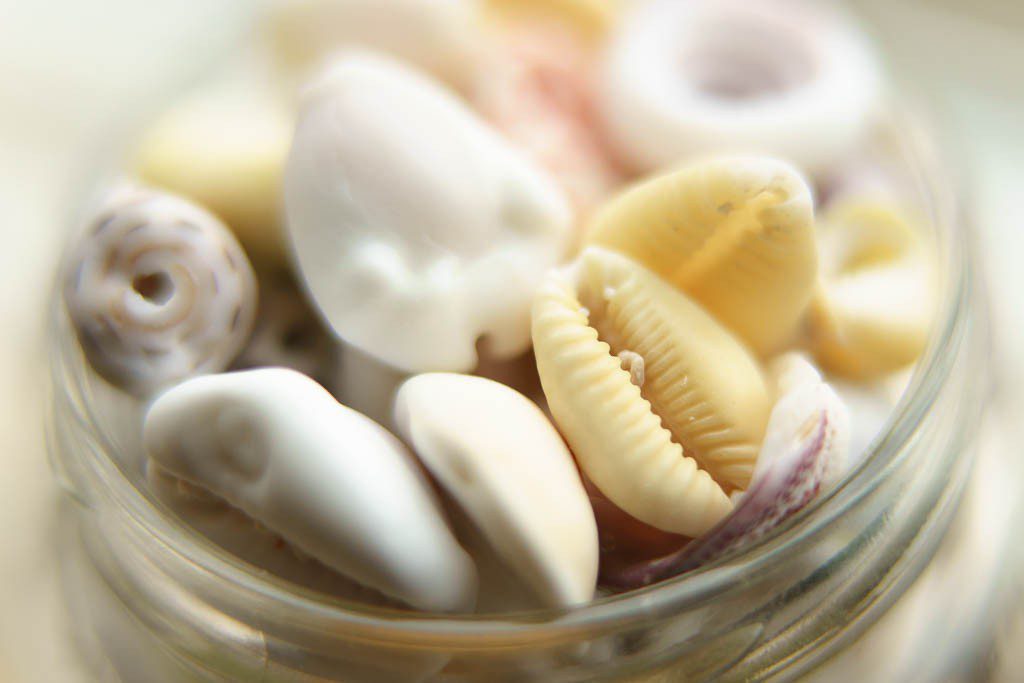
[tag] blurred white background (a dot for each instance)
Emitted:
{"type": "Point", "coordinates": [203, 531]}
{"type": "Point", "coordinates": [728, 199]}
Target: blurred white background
{"type": "Point", "coordinates": [72, 71]}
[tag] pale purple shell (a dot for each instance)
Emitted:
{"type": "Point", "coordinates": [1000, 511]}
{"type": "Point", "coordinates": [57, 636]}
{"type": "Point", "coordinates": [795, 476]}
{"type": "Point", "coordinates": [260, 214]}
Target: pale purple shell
{"type": "Point", "coordinates": [806, 444]}
{"type": "Point", "coordinates": [158, 290]}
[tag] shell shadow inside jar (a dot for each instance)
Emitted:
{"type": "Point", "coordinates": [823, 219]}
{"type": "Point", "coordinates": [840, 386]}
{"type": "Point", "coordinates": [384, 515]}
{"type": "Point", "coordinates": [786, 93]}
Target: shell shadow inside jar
{"type": "Point", "coordinates": [156, 288]}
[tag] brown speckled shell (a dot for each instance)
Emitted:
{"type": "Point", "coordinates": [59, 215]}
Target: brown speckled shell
{"type": "Point", "coordinates": [158, 290]}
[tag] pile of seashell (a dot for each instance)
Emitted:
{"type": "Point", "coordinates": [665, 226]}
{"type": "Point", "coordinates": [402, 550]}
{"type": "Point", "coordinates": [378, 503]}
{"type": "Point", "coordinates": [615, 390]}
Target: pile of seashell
{"type": "Point", "coordinates": [520, 301]}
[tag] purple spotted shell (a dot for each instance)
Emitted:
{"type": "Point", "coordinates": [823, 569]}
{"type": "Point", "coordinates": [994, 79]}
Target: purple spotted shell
{"type": "Point", "coordinates": [807, 440]}
{"type": "Point", "coordinates": [158, 290]}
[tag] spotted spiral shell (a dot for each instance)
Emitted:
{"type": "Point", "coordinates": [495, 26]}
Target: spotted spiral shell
{"type": "Point", "coordinates": [158, 290]}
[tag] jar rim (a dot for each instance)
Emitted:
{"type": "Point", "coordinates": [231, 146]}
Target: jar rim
{"type": "Point", "coordinates": [611, 612]}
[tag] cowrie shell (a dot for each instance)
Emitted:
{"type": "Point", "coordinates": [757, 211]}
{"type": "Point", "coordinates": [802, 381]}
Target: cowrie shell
{"type": "Point", "coordinates": [872, 314]}
{"type": "Point", "coordinates": [804, 452]}
{"type": "Point", "coordinates": [701, 389]}
{"type": "Point", "coordinates": [331, 482]}
{"type": "Point", "coordinates": [224, 148]}
{"type": "Point", "coordinates": [407, 212]}
{"type": "Point", "coordinates": [735, 234]}
{"type": "Point", "coordinates": [788, 79]}
{"type": "Point", "coordinates": [500, 459]}
{"type": "Point", "coordinates": [157, 290]}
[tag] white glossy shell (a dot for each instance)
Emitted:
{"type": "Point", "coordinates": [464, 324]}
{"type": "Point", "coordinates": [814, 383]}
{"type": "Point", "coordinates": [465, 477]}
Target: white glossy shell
{"type": "Point", "coordinates": [788, 79]}
{"type": "Point", "coordinates": [330, 481]}
{"type": "Point", "coordinates": [497, 455]}
{"type": "Point", "coordinates": [417, 228]}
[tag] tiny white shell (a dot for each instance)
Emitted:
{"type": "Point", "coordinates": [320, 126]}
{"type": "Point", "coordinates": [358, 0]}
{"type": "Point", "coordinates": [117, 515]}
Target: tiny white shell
{"type": "Point", "coordinates": [788, 79]}
{"type": "Point", "coordinates": [497, 455]}
{"type": "Point", "coordinates": [417, 228]}
{"type": "Point", "coordinates": [331, 482]}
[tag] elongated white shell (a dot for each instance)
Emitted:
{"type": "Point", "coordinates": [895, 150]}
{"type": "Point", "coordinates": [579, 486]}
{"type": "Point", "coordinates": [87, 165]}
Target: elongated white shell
{"type": "Point", "coordinates": [439, 36]}
{"type": "Point", "coordinates": [501, 460]}
{"type": "Point", "coordinates": [417, 228]}
{"type": "Point", "coordinates": [739, 76]}
{"type": "Point", "coordinates": [158, 290]}
{"type": "Point", "coordinates": [331, 482]}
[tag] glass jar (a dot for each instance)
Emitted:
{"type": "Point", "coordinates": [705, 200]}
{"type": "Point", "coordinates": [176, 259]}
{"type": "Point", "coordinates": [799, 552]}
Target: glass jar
{"type": "Point", "coordinates": [152, 600]}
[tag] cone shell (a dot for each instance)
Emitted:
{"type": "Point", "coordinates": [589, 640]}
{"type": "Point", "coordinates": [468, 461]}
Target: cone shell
{"type": "Point", "coordinates": [736, 234]}
{"type": "Point", "coordinates": [701, 388]}
{"type": "Point", "coordinates": [158, 290]}
{"type": "Point", "coordinates": [872, 313]}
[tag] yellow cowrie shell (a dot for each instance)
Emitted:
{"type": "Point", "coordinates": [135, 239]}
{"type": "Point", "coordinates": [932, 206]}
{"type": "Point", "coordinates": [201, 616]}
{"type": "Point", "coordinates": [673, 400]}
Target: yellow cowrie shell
{"type": "Point", "coordinates": [225, 148]}
{"type": "Point", "coordinates": [736, 234]}
{"type": "Point", "coordinates": [701, 391]}
{"type": "Point", "coordinates": [872, 313]}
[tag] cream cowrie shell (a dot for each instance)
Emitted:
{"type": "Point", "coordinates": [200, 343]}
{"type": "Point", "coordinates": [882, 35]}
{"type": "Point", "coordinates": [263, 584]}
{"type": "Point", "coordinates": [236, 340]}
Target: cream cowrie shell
{"type": "Point", "coordinates": [788, 79]}
{"type": "Point", "coordinates": [418, 230]}
{"type": "Point", "coordinates": [440, 36]}
{"type": "Point", "coordinates": [330, 481]}
{"type": "Point", "coordinates": [804, 452]}
{"type": "Point", "coordinates": [702, 392]}
{"type": "Point", "coordinates": [537, 88]}
{"type": "Point", "coordinates": [500, 459]}
{"type": "Point", "coordinates": [225, 149]}
{"type": "Point", "coordinates": [736, 234]}
{"type": "Point", "coordinates": [288, 333]}
{"type": "Point", "coordinates": [157, 290]}
{"type": "Point", "coordinates": [872, 314]}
